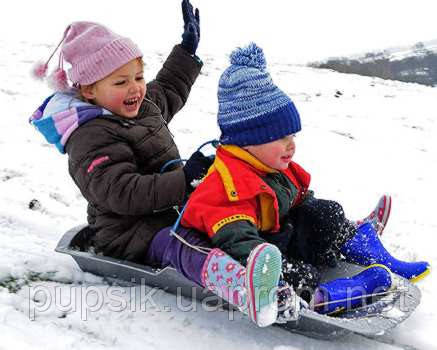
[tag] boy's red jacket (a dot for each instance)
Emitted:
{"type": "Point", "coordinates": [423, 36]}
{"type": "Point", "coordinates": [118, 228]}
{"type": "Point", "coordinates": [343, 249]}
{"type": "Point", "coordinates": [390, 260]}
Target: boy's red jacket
{"type": "Point", "coordinates": [233, 190]}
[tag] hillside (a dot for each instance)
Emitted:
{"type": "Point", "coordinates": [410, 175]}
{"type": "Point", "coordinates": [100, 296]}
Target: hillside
{"type": "Point", "coordinates": [415, 64]}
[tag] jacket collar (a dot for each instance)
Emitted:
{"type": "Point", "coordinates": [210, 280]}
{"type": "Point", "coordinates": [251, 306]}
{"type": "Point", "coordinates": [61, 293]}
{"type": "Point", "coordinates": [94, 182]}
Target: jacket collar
{"type": "Point", "coordinates": [238, 177]}
{"type": "Point", "coordinates": [242, 180]}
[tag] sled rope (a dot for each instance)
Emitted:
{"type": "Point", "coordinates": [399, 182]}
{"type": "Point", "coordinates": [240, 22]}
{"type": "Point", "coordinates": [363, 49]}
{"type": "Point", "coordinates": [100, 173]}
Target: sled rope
{"type": "Point", "coordinates": [214, 143]}
{"type": "Point", "coordinates": [200, 249]}
{"type": "Point", "coordinates": [173, 230]}
{"type": "Point", "coordinates": [170, 162]}
{"type": "Point", "coordinates": [397, 290]}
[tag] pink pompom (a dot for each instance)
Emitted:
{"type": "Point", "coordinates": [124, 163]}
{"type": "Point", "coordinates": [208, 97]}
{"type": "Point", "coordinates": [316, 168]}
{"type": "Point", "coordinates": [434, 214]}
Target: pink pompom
{"type": "Point", "coordinates": [39, 70]}
{"type": "Point", "coordinates": [58, 80]}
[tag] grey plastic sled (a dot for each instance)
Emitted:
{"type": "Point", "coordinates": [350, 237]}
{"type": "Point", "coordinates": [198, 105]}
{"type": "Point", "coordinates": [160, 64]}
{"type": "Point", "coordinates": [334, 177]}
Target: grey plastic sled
{"type": "Point", "coordinates": [383, 313]}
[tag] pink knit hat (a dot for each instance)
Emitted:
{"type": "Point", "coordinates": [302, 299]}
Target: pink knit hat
{"type": "Point", "coordinates": [93, 51]}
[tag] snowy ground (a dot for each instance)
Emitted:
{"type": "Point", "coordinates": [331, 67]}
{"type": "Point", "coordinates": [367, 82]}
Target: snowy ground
{"type": "Point", "coordinates": [375, 138]}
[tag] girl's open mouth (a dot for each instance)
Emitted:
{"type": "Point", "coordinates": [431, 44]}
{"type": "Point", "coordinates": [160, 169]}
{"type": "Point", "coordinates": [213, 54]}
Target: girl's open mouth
{"type": "Point", "coordinates": [131, 104]}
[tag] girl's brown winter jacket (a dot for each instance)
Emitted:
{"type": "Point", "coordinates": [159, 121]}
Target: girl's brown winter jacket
{"type": "Point", "coordinates": [116, 164]}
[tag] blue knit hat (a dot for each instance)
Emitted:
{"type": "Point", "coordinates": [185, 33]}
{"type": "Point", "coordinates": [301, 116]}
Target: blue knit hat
{"type": "Point", "coordinates": [253, 110]}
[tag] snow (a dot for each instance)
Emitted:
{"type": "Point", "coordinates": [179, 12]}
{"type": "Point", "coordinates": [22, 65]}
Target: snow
{"type": "Point", "coordinates": [267, 314]}
{"type": "Point", "coordinates": [378, 136]}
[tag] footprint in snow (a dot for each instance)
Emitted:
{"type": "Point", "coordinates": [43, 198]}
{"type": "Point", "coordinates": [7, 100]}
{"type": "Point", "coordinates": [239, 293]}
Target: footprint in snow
{"type": "Point", "coordinates": [345, 134]}
{"type": "Point", "coordinates": [8, 174]}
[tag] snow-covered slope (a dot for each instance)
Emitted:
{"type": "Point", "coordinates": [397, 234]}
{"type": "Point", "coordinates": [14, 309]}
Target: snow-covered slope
{"type": "Point", "coordinates": [376, 137]}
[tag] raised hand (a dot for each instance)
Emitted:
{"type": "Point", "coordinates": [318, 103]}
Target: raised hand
{"type": "Point", "coordinates": [191, 34]}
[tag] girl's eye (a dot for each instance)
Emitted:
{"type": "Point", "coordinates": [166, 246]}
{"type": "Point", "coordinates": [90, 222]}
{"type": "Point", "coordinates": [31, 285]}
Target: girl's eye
{"type": "Point", "coordinates": [119, 82]}
{"type": "Point", "coordinates": [139, 78]}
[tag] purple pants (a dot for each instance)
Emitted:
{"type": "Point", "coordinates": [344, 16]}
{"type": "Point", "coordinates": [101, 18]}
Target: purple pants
{"type": "Point", "coordinates": [166, 250]}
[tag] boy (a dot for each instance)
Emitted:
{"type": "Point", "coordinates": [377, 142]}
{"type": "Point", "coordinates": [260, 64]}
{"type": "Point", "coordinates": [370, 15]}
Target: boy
{"type": "Point", "coordinates": [254, 193]}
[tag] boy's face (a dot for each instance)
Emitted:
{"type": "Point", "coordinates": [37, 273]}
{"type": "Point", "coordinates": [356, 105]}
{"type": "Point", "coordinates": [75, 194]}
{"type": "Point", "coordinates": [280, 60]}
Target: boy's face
{"type": "Point", "coordinates": [121, 92]}
{"type": "Point", "coordinates": [276, 154]}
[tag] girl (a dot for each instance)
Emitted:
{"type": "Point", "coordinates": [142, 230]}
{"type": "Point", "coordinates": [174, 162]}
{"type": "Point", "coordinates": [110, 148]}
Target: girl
{"type": "Point", "coordinates": [113, 126]}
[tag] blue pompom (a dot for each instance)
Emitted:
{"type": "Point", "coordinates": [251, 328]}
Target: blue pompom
{"type": "Point", "coordinates": [250, 56]}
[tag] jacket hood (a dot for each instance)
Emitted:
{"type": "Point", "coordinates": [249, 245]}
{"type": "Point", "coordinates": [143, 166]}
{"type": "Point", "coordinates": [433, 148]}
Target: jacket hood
{"type": "Point", "coordinates": [62, 113]}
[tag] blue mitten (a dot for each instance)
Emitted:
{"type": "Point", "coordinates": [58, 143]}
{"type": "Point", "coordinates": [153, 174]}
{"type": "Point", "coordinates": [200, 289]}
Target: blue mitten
{"type": "Point", "coordinates": [191, 34]}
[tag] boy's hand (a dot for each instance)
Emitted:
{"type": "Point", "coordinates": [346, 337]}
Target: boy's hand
{"type": "Point", "coordinates": [191, 34]}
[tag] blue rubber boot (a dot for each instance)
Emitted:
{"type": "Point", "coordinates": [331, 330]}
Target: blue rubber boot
{"type": "Point", "coordinates": [365, 248]}
{"type": "Point", "coordinates": [348, 293]}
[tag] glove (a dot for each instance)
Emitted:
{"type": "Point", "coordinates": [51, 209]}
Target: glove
{"type": "Point", "coordinates": [196, 168]}
{"type": "Point", "coordinates": [300, 276]}
{"type": "Point", "coordinates": [191, 34]}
